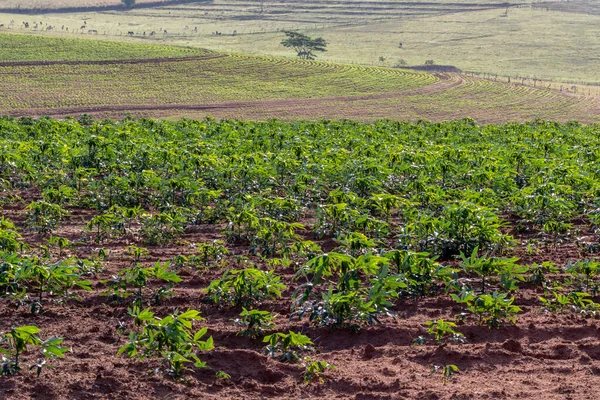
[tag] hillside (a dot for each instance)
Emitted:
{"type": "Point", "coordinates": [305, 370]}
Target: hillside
{"type": "Point", "coordinates": [553, 40]}
{"type": "Point", "coordinates": [110, 79]}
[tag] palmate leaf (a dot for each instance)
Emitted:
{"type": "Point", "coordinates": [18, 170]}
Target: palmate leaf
{"type": "Point", "coordinates": [25, 335]}
{"type": "Point", "coordinates": [52, 348]}
{"type": "Point", "coordinates": [206, 345]}
{"type": "Point", "coordinates": [190, 315]}
{"type": "Point", "coordinates": [175, 357]}
{"type": "Point", "coordinates": [161, 272]}
{"type": "Point", "coordinates": [199, 334]}
{"type": "Point", "coordinates": [24, 331]}
{"type": "Point", "coordinates": [85, 285]}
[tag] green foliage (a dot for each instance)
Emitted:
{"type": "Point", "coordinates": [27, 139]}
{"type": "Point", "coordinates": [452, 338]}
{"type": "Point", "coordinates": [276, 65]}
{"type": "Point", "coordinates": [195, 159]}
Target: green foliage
{"type": "Point", "coordinates": [447, 371]}
{"type": "Point", "coordinates": [161, 228]}
{"type": "Point", "coordinates": [539, 273]}
{"type": "Point", "coordinates": [463, 227]}
{"type": "Point", "coordinates": [134, 280]}
{"type": "Point", "coordinates": [266, 235]}
{"type": "Point", "coordinates": [348, 308]}
{"type": "Point", "coordinates": [555, 300]}
{"type": "Point", "coordinates": [254, 322]}
{"type": "Point", "coordinates": [171, 339]}
{"type": "Point", "coordinates": [585, 271]}
{"type": "Point", "coordinates": [10, 239]}
{"type": "Point", "coordinates": [211, 252]}
{"type": "Point", "coordinates": [486, 267]}
{"type": "Point", "coordinates": [303, 45]}
{"type": "Point", "coordinates": [14, 343]}
{"type": "Point", "coordinates": [493, 309]}
{"type": "Point", "coordinates": [44, 217]}
{"type": "Point", "coordinates": [106, 225]}
{"type": "Point", "coordinates": [60, 242]}
{"type": "Point", "coordinates": [223, 376]}
{"type": "Point", "coordinates": [421, 273]}
{"type": "Point", "coordinates": [16, 47]}
{"type": "Point", "coordinates": [287, 345]}
{"type": "Point", "coordinates": [24, 276]}
{"type": "Point", "coordinates": [245, 287]}
{"type": "Point", "coordinates": [444, 332]}
{"type": "Point", "coordinates": [315, 370]}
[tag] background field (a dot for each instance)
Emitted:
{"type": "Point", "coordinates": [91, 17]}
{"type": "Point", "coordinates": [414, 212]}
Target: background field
{"type": "Point", "coordinates": [552, 40]}
{"type": "Point", "coordinates": [112, 79]}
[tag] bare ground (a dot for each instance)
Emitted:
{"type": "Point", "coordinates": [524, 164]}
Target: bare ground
{"type": "Point", "coordinates": [542, 356]}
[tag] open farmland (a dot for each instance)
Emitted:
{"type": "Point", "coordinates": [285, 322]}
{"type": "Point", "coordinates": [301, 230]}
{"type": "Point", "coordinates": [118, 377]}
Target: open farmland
{"type": "Point", "coordinates": [26, 48]}
{"type": "Point", "coordinates": [109, 80]}
{"type": "Point", "coordinates": [551, 40]}
{"type": "Point", "coordinates": [348, 234]}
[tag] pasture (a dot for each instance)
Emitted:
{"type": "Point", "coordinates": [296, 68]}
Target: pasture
{"type": "Point", "coordinates": [108, 79]}
{"type": "Point", "coordinates": [547, 41]}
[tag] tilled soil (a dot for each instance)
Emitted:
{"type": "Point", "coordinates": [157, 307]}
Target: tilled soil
{"type": "Point", "coordinates": [542, 356]}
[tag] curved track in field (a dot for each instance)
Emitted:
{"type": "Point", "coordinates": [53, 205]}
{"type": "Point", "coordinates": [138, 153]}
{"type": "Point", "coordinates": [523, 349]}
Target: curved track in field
{"type": "Point", "coordinates": [445, 82]}
{"type": "Point", "coordinates": [411, 95]}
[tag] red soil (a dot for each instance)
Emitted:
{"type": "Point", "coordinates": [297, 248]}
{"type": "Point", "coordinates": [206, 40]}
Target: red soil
{"type": "Point", "coordinates": [543, 356]}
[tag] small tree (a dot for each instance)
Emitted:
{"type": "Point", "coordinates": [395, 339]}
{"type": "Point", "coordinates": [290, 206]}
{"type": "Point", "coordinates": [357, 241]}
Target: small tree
{"type": "Point", "coordinates": [128, 3]}
{"type": "Point", "coordinates": [304, 45]}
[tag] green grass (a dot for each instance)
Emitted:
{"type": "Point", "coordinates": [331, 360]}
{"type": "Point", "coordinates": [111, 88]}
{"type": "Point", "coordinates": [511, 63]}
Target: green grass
{"type": "Point", "coordinates": [553, 44]}
{"type": "Point", "coordinates": [15, 48]}
{"type": "Point", "coordinates": [268, 87]}
{"type": "Point", "coordinates": [230, 78]}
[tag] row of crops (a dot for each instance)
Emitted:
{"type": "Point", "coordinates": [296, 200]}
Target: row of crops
{"type": "Point", "coordinates": [30, 48]}
{"type": "Point", "coordinates": [339, 221]}
{"type": "Point", "coordinates": [196, 82]}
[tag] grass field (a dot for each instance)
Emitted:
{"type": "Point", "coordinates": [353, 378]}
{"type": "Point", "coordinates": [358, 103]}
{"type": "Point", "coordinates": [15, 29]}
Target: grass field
{"type": "Point", "coordinates": [45, 4]}
{"type": "Point", "coordinates": [23, 48]}
{"type": "Point", "coordinates": [112, 80]}
{"type": "Point", "coordinates": [554, 40]}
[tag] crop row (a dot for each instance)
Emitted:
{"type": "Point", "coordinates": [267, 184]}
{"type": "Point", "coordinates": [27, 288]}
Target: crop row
{"type": "Point", "coordinates": [195, 82]}
{"type": "Point", "coordinates": [19, 48]}
{"type": "Point", "coordinates": [407, 212]}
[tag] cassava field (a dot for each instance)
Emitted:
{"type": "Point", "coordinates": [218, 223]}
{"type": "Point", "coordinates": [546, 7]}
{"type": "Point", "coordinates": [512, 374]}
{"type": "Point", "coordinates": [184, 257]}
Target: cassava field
{"type": "Point", "coordinates": [188, 211]}
{"type": "Point", "coordinates": [227, 259]}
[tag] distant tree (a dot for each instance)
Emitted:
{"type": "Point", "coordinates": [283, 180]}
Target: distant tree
{"type": "Point", "coordinates": [128, 3]}
{"type": "Point", "coordinates": [304, 46]}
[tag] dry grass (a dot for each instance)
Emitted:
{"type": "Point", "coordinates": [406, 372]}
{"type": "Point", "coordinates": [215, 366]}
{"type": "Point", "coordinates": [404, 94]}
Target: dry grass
{"type": "Point", "coordinates": [37, 4]}
{"type": "Point", "coordinates": [530, 42]}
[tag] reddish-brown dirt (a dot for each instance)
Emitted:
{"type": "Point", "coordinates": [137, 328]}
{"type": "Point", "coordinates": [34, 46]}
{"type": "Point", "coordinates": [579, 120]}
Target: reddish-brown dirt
{"type": "Point", "coordinates": [542, 356]}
